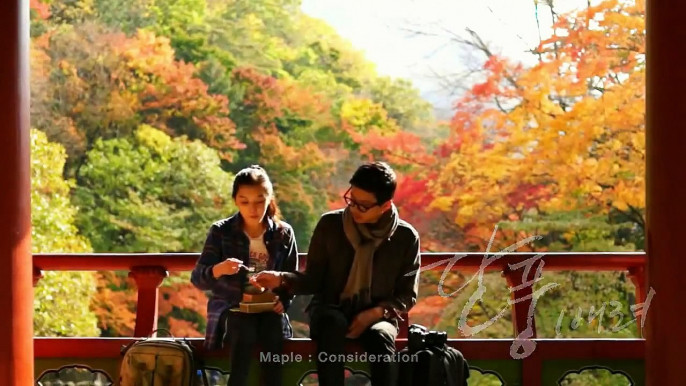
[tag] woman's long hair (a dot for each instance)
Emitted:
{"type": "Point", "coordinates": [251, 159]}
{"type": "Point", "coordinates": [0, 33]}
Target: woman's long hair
{"type": "Point", "coordinates": [255, 175]}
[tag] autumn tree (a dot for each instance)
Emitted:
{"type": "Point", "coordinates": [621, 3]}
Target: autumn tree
{"type": "Point", "coordinates": [577, 134]}
{"type": "Point", "coordinates": [555, 149]}
{"type": "Point", "coordinates": [174, 98]}
{"type": "Point", "coordinates": [101, 84]}
{"type": "Point", "coordinates": [283, 127]}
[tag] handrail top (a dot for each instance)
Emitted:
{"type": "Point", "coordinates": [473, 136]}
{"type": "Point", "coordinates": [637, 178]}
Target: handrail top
{"type": "Point", "coordinates": [429, 254]}
{"type": "Point", "coordinates": [436, 261]}
{"type": "Point", "coordinates": [482, 340]}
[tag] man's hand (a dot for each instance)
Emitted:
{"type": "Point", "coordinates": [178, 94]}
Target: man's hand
{"type": "Point", "coordinates": [278, 306]}
{"type": "Point", "coordinates": [228, 267]}
{"type": "Point", "coordinates": [266, 279]}
{"type": "Point", "coordinates": [363, 320]}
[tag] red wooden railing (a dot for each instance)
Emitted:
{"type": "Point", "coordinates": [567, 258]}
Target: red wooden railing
{"type": "Point", "coordinates": [519, 269]}
{"type": "Point", "coordinates": [149, 270]}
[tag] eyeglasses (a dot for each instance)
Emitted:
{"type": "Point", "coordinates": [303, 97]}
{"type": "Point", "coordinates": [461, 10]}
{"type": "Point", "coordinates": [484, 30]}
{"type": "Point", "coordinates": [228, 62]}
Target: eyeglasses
{"type": "Point", "coordinates": [352, 203]}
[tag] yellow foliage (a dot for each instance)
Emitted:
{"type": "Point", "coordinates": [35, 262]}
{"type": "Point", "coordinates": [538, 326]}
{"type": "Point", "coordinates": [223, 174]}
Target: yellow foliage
{"type": "Point", "coordinates": [442, 203]}
{"type": "Point", "coordinates": [576, 133]}
{"type": "Point", "coordinates": [61, 302]}
{"type": "Point", "coordinates": [366, 115]}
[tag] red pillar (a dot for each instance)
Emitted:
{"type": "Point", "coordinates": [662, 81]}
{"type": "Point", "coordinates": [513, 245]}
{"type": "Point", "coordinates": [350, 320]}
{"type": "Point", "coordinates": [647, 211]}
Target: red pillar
{"type": "Point", "coordinates": [148, 281]}
{"type": "Point", "coordinates": [16, 272]}
{"type": "Point", "coordinates": [665, 198]}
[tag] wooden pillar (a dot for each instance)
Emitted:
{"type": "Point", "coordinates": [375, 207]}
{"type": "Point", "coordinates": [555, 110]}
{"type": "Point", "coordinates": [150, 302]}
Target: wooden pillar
{"type": "Point", "coordinates": [148, 281]}
{"type": "Point", "coordinates": [16, 272]}
{"type": "Point", "coordinates": [665, 198]}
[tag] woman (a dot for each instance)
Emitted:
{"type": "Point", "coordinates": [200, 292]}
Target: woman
{"type": "Point", "coordinates": [254, 237]}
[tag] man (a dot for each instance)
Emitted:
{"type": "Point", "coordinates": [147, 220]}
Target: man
{"type": "Point", "coordinates": [363, 270]}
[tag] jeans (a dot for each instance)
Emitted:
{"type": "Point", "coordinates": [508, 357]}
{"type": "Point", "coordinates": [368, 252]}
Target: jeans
{"type": "Point", "coordinates": [245, 332]}
{"type": "Point", "coordinates": [328, 327]}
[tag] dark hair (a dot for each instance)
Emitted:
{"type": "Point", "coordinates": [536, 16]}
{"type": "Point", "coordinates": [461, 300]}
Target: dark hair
{"type": "Point", "coordinates": [377, 178]}
{"type": "Point", "coordinates": [255, 175]}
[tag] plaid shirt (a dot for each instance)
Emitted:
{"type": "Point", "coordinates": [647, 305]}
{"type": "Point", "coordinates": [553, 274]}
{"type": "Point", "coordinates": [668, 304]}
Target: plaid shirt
{"type": "Point", "coordinates": [226, 239]}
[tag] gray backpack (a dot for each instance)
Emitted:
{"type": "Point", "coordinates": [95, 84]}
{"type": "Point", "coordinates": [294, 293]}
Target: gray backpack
{"type": "Point", "coordinates": [161, 362]}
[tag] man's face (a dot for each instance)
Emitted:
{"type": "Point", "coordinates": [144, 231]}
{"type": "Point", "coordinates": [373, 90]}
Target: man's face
{"type": "Point", "coordinates": [363, 206]}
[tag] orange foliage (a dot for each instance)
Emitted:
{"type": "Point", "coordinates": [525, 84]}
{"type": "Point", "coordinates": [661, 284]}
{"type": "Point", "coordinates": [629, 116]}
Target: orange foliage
{"type": "Point", "coordinates": [116, 299]}
{"type": "Point", "coordinates": [282, 120]}
{"type": "Point", "coordinates": [184, 328]}
{"type": "Point", "coordinates": [429, 310]}
{"type": "Point", "coordinates": [182, 296]}
{"type": "Point", "coordinates": [109, 84]}
{"type": "Point", "coordinates": [42, 9]}
{"type": "Point", "coordinates": [114, 305]}
{"type": "Point", "coordinates": [170, 90]}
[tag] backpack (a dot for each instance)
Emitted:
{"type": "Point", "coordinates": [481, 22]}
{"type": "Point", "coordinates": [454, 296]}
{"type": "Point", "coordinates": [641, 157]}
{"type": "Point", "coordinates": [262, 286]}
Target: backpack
{"type": "Point", "coordinates": [161, 362]}
{"type": "Point", "coordinates": [428, 360]}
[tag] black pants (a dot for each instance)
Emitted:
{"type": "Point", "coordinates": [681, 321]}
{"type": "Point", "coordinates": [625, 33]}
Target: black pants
{"type": "Point", "coordinates": [328, 328]}
{"type": "Point", "coordinates": [245, 332]}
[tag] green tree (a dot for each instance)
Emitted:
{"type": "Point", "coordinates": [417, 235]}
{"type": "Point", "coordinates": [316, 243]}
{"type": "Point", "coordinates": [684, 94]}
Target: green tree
{"type": "Point", "coordinates": [151, 193]}
{"type": "Point", "coordinates": [61, 299]}
{"type": "Point", "coordinates": [402, 101]}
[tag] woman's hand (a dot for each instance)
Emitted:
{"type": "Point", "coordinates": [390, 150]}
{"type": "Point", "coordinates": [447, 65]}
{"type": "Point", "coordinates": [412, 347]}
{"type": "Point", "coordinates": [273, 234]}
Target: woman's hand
{"type": "Point", "coordinates": [278, 306]}
{"type": "Point", "coordinates": [228, 267]}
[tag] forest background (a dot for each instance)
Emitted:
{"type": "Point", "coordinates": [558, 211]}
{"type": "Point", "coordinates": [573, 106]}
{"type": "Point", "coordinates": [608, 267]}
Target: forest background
{"type": "Point", "coordinates": [142, 111]}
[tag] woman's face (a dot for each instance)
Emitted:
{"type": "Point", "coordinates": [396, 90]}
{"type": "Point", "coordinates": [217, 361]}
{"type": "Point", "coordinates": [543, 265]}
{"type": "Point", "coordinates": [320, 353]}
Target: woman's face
{"type": "Point", "coordinates": [252, 202]}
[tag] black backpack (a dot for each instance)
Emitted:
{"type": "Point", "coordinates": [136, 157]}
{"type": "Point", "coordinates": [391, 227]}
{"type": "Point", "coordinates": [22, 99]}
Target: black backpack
{"type": "Point", "coordinates": [428, 360]}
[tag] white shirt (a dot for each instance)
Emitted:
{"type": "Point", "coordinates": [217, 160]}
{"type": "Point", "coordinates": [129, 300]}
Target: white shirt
{"type": "Point", "coordinates": [258, 253]}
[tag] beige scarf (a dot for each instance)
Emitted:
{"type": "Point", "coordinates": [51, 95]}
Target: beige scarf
{"type": "Point", "coordinates": [365, 240]}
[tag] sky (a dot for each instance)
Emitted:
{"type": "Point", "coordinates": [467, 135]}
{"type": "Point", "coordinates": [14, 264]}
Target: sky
{"type": "Point", "coordinates": [380, 28]}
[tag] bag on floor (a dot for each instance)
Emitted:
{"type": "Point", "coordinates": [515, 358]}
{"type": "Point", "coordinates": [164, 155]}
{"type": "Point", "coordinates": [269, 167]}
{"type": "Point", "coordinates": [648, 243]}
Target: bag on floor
{"type": "Point", "coordinates": [161, 362]}
{"type": "Point", "coordinates": [429, 360]}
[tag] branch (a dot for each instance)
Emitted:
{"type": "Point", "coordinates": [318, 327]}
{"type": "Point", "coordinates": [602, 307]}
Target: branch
{"type": "Point", "coordinates": [504, 23]}
{"type": "Point", "coordinates": [631, 216]}
{"type": "Point", "coordinates": [540, 38]}
{"type": "Point", "coordinates": [639, 215]}
{"type": "Point", "coordinates": [500, 107]}
{"type": "Point", "coordinates": [452, 83]}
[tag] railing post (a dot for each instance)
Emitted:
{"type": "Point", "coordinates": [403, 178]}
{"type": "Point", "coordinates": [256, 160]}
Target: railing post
{"type": "Point", "coordinates": [637, 276]}
{"type": "Point", "coordinates": [148, 281]}
{"type": "Point", "coordinates": [532, 369]}
{"type": "Point", "coordinates": [404, 326]}
{"type": "Point", "coordinates": [521, 294]}
{"type": "Point", "coordinates": [16, 291]}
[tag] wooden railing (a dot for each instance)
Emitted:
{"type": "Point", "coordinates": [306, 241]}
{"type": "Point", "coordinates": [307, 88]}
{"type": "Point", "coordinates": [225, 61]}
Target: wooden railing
{"type": "Point", "coordinates": [519, 269]}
